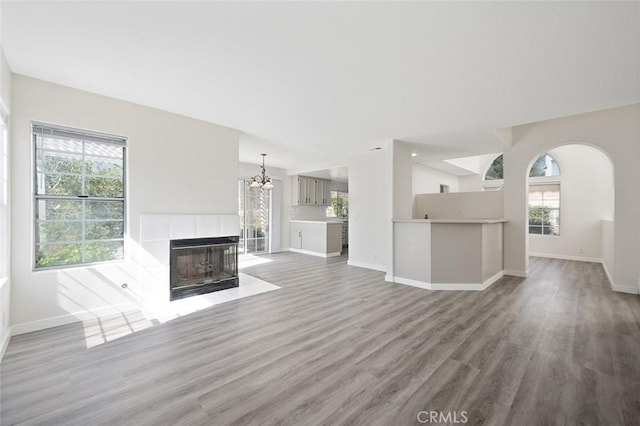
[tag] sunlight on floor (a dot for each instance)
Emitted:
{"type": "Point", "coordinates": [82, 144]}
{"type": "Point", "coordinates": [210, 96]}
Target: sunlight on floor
{"type": "Point", "coordinates": [246, 260]}
{"type": "Point", "coordinates": [102, 330]}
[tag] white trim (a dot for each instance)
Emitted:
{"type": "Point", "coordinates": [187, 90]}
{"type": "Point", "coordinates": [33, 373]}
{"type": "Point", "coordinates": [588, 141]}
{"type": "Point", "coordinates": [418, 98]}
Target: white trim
{"type": "Point", "coordinates": [625, 289]}
{"type": "Point", "coordinates": [367, 265]}
{"type": "Point", "coordinates": [5, 342]}
{"type": "Point", "coordinates": [566, 257]}
{"type": "Point", "coordinates": [315, 253]}
{"type": "Point", "coordinates": [412, 283]}
{"type": "Point", "coordinates": [606, 272]}
{"type": "Point", "coordinates": [28, 327]}
{"type": "Point", "coordinates": [449, 286]}
{"type": "Point", "coordinates": [514, 273]}
{"type": "Point", "coordinates": [616, 287]}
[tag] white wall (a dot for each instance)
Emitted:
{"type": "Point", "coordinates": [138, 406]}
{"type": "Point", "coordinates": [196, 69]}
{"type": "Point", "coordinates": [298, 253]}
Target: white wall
{"type": "Point", "coordinates": [617, 132]}
{"type": "Point", "coordinates": [427, 180]}
{"type": "Point", "coordinates": [5, 229]}
{"type": "Point", "coordinates": [586, 198]}
{"type": "Point", "coordinates": [402, 189]}
{"type": "Point", "coordinates": [370, 209]}
{"type": "Point", "coordinates": [608, 247]}
{"type": "Point", "coordinates": [460, 205]}
{"type": "Point", "coordinates": [285, 209]}
{"type": "Point", "coordinates": [175, 165]}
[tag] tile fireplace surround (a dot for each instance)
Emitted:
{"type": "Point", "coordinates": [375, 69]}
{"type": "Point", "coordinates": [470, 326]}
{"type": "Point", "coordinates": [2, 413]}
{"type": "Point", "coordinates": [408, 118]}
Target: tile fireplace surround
{"type": "Point", "coordinates": [156, 230]}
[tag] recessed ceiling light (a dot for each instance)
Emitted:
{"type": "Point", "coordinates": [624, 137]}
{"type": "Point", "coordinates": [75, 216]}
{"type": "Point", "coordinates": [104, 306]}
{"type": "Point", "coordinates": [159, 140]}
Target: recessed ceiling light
{"type": "Point", "coordinates": [414, 154]}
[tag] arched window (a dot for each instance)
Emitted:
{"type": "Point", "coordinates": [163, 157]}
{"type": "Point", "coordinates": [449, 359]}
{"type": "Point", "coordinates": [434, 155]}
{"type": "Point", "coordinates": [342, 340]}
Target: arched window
{"type": "Point", "coordinates": [544, 197]}
{"type": "Point", "coordinates": [496, 170]}
{"type": "Point", "coordinates": [545, 165]}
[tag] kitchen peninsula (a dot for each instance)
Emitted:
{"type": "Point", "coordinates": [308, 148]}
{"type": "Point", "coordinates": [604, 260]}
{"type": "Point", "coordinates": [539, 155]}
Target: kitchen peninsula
{"type": "Point", "coordinates": [447, 254]}
{"type": "Point", "coordinates": [316, 237]}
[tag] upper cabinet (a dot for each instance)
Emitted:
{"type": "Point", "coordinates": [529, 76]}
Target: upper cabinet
{"type": "Point", "coordinates": [310, 191]}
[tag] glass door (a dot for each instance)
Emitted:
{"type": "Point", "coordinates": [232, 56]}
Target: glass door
{"type": "Point", "coordinates": [254, 209]}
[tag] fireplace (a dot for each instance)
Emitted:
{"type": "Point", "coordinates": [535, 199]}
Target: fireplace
{"type": "Point", "coordinates": [203, 265]}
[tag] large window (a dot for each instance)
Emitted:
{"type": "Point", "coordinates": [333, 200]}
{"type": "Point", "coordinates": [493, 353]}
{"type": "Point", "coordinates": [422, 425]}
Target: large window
{"type": "Point", "coordinates": [544, 196]}
{"type": "Point", "coordinates": [79, 196]}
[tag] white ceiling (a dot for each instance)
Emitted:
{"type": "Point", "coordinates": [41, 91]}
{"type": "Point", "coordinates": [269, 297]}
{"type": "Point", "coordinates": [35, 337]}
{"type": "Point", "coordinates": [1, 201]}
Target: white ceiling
{"type": "Point", "coordinates": [314, 83]}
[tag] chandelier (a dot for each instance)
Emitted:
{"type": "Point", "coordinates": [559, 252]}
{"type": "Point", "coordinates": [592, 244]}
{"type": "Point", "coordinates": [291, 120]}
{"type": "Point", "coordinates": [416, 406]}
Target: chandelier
{"type": "Point", "coordinates": [261, 180]}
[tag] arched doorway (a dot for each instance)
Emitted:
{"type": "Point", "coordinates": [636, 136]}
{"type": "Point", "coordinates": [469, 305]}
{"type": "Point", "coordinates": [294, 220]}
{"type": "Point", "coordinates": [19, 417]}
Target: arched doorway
{"type": "Point", "coordinates": [570, 204]}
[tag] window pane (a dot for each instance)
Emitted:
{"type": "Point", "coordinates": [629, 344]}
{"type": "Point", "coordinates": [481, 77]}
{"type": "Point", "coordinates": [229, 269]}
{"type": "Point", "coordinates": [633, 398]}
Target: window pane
{"type": "Point", "coordinates": [535, 229]}
{"type": "Point", "coordinates": [496, 170]}
{"type": "Point", "coordinates": [553, 203]}
{"type": "Point", "coordinates": [104, 250]}
{"type": "Point", "coordinates": [345, 204]}
{"type": "Point", "coordinates": [104, 187]}
{"type": "Point", "coordinates": [59, 232]}
{"type": "Point", "coordinates": [55, 162]}
{"type": "Point", "coordinates": [59, 210]}
{"type": "Point", "coordinates": [104, 167]}
{"type": "Point", "coordinates": [545, 165]}
{"type": "Point", "coordinates": [105, 230]}
{"type": "Point", "coordinates": [58, 254]}
{"type": "Point", "coordinates": [105, 209]}
{"type": "Point", "coordinates": [56, 184]}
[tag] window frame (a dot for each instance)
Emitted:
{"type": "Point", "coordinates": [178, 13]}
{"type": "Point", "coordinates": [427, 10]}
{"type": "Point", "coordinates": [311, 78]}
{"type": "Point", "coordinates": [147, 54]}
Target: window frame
{"type": "Point", "coordinates": [39, 129]}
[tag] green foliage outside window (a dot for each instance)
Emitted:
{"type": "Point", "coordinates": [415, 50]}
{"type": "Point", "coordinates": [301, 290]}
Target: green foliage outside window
{"type": "Point", "coordinates": [496, 170]}
{"type": "Point", "coordinates": [79, 202]}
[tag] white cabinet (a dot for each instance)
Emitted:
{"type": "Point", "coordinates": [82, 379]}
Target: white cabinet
{"type": "Point", "coordinates": [323, 192]}
{"type": "Point", "coordinates": [317, 238]}
{"type": "Point", "coordinates": [309, 191]}
{"type": "Point", "coordinates": [296, 236]}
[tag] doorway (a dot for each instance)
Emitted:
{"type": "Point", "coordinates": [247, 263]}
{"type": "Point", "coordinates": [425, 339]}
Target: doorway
{"type": "Point", "coordinates": [254, 211]}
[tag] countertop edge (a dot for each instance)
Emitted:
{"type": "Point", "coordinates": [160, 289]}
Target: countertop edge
{"type": "Point", "coordinates": [462, 221]}
{"type": "Point", "coordinates": [318, 221]}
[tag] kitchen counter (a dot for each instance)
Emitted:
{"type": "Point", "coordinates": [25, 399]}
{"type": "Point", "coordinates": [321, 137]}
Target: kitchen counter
{"type": "Point", "coordinates": [447, 254]}
{"type": "Point", "coordinates": [316, 237]}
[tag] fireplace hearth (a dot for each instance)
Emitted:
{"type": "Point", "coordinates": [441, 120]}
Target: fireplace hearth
{"type": "Point", "coordinates": [203, 265]}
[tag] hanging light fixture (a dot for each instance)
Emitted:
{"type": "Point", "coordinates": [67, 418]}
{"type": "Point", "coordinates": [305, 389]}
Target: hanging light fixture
{"type": "Point", "coordinates": [261, 180]}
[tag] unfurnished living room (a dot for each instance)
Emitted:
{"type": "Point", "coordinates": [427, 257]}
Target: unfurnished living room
{"type": "Point", "coordinates": [301, 213]}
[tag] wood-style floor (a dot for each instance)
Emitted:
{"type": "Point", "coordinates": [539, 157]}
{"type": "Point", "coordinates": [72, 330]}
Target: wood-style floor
{"type": "Point", "coordinates": [338, 345]}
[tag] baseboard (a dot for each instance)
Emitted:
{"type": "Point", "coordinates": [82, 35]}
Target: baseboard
{"type": "Point", "coordinates": [28, 327]}
{"type": "Point", "coordinates": [514, 273]}
{"type": "Point", "coordinates": [5, 342]}
{"type": "Point", "coordinates": [366, 265]}
{"type": "Point", "coordinates": [449, 286]}
{"type": "Point", "coordinates": [625, 289]}
{"type": "Point", "coordinates": [566, 257]}
{"type": "Point", "coordinates": [606, 272]}
{"type": "Point", "coordinates": [315, 253]}
{"type": "Point", "coordinates": [412, 283]}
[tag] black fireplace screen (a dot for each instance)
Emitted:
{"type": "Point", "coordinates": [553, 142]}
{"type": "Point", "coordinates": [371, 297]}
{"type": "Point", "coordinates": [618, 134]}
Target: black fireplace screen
{"type": "Point", "coordinates": [203, 265]}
